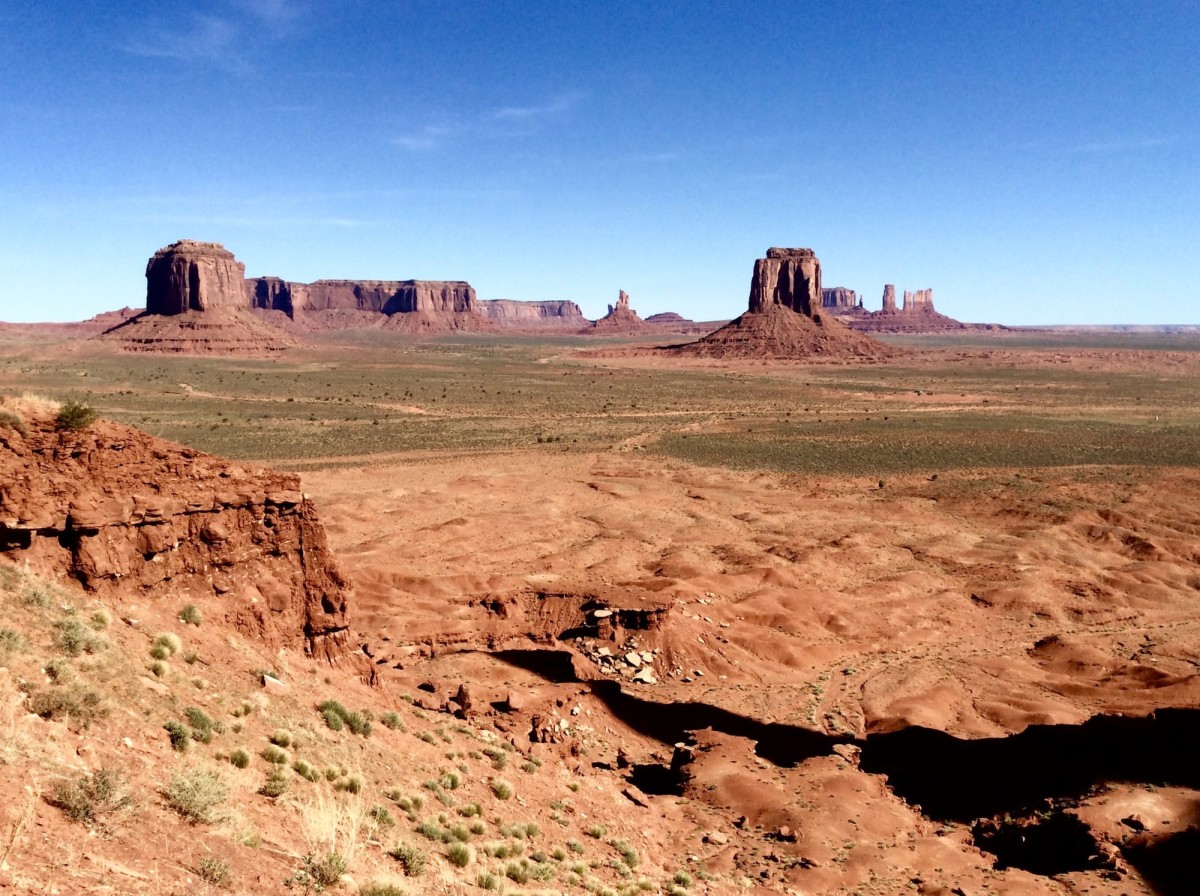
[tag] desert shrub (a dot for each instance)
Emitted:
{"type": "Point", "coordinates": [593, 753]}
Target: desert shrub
{"type": "Point", "coordinates": [382, 817]}
{"type": "Point", "coordinates": [74, 638]}
{"type": "Point", "coordinates": [158, 668]}
{"type": "Point", "coordinates": [73, 703]}
{"type": "Point", "coordinates": [470, 810]}
{"type": "Point", "coordinates": [460, 833]}
{"type": "Point", "coordinates": [628, 854]}
{"type": "Point", "coordinates": [478, 827]}
{"type": "Point", "coordinates": [683, 879]}
{"type": "Point", "coordinates": [239, 759]}
{"type": "Point", "coordinates": [432, 831]}
{"type": "Point", "coordinates": [191, 615]}
{"type": "Point", "coordinates": [180, 737]}
{"type": "Point", "coordinates": [10, 642]}
{"type": "Point", "coordinates": [517, 872]}
{"type": "Point", "coordinates": [410, 859]}
{"type": "Point", "coordinates": [274, 755]}
{"type": "Point", "coordinates": [358, 723]}
{"type": "Point", "coordinates": [498, 757]}
{"type": "Point", "coordinates": [321, 872]}
{"type": "Point", "coordinates": [596, 830]}
{"type": "Point", "coordinates": [427, 737]}
{"type": "Point", "coordinates": [306, 771]}
{"type": "Point", "coordinates": [37, 594]}
{"type": "Point", "coordinates": [487, 881]}
{"type": "Point", "coordinates": [100, 619]}
{"type": "Point", "coordinates": [376, 889]}
{"type": "Point", "coordinates": [75, 416]}
{"type": "Point", "coordinates": [10, 420]}
{"type": "Point", "coordinates": [199, 720]}
{"type": "Point", "coordinates": [333, 720]}
{"type": "Point", "coordinates": [167, 643]}
{"type": "Point", "coordinates": [276, 784]}
{"type": "Point", "coordinates": [352, 784]}
{"type": "Point", "coordinates": [459, 855]}
{"type": "Point", "coordinates": [281, 738]}
{"type": "Point", "coordinates": [392, 720]}
{"type": "Point", "coordinates": [195, 793]}
{"type": "Point", "coordinates": [92, 797]}
{"type": "Point", "coordinates": [502, 789]}
{"type": "Point", "coordinates": [214, 871]}
{"type": "Point", "coordinates": [575, 846]}
{"type": "Point", "coordinates": [451, 780]}
{"type": "Point", "coordinates": [529, 768]}
{"type": "Point", "coordinates": [559, 854]}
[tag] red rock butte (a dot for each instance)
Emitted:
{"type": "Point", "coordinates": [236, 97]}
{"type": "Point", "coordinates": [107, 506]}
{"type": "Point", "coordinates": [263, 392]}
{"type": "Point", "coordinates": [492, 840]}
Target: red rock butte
{"type": "Point", "coordinates": [784, 319]}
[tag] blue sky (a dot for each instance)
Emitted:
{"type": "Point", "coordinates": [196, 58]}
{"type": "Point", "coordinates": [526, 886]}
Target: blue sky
{"type": "Point", "coordinates": [1032, 162]}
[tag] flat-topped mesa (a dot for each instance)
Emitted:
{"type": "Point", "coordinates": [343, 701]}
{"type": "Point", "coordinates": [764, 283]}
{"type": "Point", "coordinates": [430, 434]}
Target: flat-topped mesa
{"type": "Point", "coordinates": [193, 276]}
{"type": "Point", "coordinates": [787, 277]}
{"type": "Point", "coordinates": [919, 302]}
{"type": "Point", "coordinates": [384, 296]}
{"type": "Point", "coordinates": [533, 314]}
{"type": "Point", "coordinates": [839, 297]}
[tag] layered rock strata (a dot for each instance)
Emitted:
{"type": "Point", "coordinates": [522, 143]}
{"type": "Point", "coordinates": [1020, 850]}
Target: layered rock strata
{"type": "Point", "coordinates": [840, 298]}
{"type": "Point", "coordinates": [382, 296]}
{"type": "Point", "coordinates": [784, 318]}
{"type": "Point", "coordinates": [513, 314]}
{"type": "Point", "coordinates": [620, 319]}
{"type": "Point", "coordinates": [193, 276]}
{"type": "Point", "coordinates": [127, 514]}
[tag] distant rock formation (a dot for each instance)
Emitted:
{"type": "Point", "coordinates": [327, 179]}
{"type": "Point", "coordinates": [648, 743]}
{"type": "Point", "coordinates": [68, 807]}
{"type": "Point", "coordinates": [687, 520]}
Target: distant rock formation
{"type": "Point", "coordinates": [784, 319]}
{"type": "Point", "coordinates": [512, 314]}
{"type": "Point", "coordinates": [381, 296]}
{"type": "Point", "coordinates": [192, 276]}
{"type": "Point", "coordinates": [840, 298]}
{"type": "Point", "coordinates": [621, 319]}
{"type": "Point", "coordinates": [889, 299]}
{"type": "Point", "coordinates": [790, 278]}
{"type": "Point", "coordinates": [667, 317]}
{"type": "Point", "coordinates": [196, 304]}
{"type": "Point", "coordinates": [919, 302]}
{"type": "Point", "coordinates": [915, 315]}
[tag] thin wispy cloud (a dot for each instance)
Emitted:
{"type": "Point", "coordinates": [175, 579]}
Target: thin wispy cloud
{"type": "Point", "coordinates": [507, 121]}
{"type": "Point", "coordinates": [1123, 145]}
{"type": "Point", "coordinates": [560, 103]}
{"type": "Point", "coordinates": [218, 35]}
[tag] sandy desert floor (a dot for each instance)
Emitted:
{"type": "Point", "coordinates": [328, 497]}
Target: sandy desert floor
{"type": "Point", "coordinates": [921, 627]}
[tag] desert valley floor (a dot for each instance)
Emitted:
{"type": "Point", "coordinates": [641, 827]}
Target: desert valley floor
{"type": "Point", "coordinates": [917, 626]}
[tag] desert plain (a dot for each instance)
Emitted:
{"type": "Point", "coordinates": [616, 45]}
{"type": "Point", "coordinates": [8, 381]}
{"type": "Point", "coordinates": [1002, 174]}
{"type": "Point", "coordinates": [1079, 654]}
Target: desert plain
{"type": "Point", "coordinates": [919, 625]}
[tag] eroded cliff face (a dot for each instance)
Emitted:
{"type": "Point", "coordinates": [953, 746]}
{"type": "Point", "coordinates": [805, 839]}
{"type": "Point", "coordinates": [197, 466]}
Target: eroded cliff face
{"type": "Point", "coordinates": [193, 276]}
{"type": "Point", "coordinates": [787, 277]}
{"type": "Point", "coordinates": [130, 516]}
{"type": "Point", "coordinates": [540, 315]}
{"type": "Point", "coordinates": [383, 296]}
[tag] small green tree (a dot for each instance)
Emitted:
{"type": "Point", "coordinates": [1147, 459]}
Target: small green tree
{"type": "Point", "coordinates": [76, 416]}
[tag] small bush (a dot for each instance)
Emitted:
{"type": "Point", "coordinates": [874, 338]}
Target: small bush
{"type": "Point", "coordinates": [60, 671]}
{"type": "Point", "coordinates": [392, 720]}
{"type": "Point", "coordinates": [74, 638]}
{"type": "Point", "coordinates": [199, 720]}
{"type": "Point", "coordinates": [502, 789]}
{"type": "Point", "coordinates": [274, 755]}
{"type": "Point", "coordinates": [460, 833]}
{"type": "Point", "coordinates": [214, 871]}
{"type": "Point", "coordinates": [459, 855]}
{"type": "Point", "coordinates": [91, 798]}
{"type": "Point", "coordinates": [333, 720]}
{"type": "Point", "coordinates": [73, 703]}
{"type": "Point", "coordinates": [195, 793]}
{"type": "Point", "coordinates": [682, 878]}
{"type": "Point", "coordinates": [487, 881]}
{"type": "Point", "coordinates": [382, 817]}
{"type": "Point", "coordinates": [9, 420]}
{"type": "Point", "coordinates": [168, 642]}
{"type": "Point", "coordinates": [431, 831]}
{"type": "Point", "coordinates": [353, 784]}
{"type": "Point", "coordinates": [575, 846]}
{"type": "Point", "coordinates": [451, 780]}
{"type": "Point", "coordinates": [10, 642]}
{"type": "Point", "coordinates": [239, 759]}
{"type": "Point", "coordinates": [427, 737]}
{"type": "Point", "coordinates": [180, 737]}
{"type": "Point", "coordinates": [358, 723]}
{"type": "Point", "coordinates": [322, 871]}
{"type": "Point", "coordinates": [191, 615]}
{"type": "Point", "coordinates": [478, 827]}
{"type": "Point", "coordinates": [281, 738]}
{"type": "Point", "coordinates": [374, 889]}
{"type": "Point", "coordinates": [470, 810]}
{"type": "Point", "coordinates": [75, 416]}
{"type": "Point", "coordinates": [101, 619]}
{"type": "Point", "coordinates": [158, 652]}
{"type": "Point", "coordinates": [597, 831]}
{"type": "Point", "coordinates": [628, 854]}
{"type": "Point", "coordinates": [411, 859]}
{"type": "Point", "coordinates": [276, 784]}
{"type": "Point", "coordinates": [517, 872]}
{"type": "Point", "coordinates": [158, 668]}
{"type": "Point", "coordinates": [306, 771]}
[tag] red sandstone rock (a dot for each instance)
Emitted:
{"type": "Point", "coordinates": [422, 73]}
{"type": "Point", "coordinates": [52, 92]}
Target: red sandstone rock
{"type": "Point", "coordinates": [784, 318]}
{"type": "Point", "coordinates": [123, 512]}
{"type": "Point", "coordinates": [193, 276]}
{"type": "Point", "coordinates": [889, 298]}
{"type": "Point", "coordinates": [621, 318]}
{"type": "Point", "coordinates": [510, 313]}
